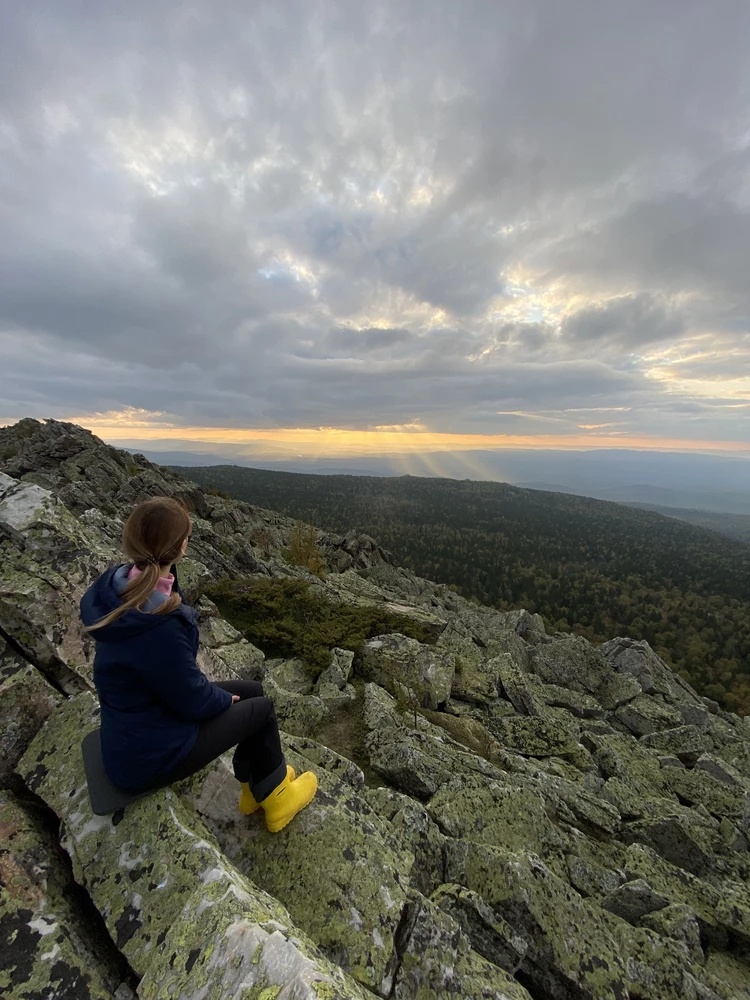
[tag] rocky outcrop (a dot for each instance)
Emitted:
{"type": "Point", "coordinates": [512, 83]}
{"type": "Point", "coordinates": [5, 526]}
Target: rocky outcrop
{"type": "Point", "coordinates": [502, 813]}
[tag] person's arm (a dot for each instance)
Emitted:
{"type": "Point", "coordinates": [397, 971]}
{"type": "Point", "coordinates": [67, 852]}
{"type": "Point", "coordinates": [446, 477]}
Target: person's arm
{"type": "Point", "coordinates": [176, 678]}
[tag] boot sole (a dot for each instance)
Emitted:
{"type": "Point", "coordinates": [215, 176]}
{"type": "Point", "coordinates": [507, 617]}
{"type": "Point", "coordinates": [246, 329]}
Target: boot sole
{"type": "Point", "coordinates": [279, 825]}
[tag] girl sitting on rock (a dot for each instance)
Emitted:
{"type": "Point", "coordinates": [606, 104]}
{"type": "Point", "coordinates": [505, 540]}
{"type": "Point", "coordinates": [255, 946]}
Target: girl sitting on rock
{"type": "Point", "coordinates": [161, 718]}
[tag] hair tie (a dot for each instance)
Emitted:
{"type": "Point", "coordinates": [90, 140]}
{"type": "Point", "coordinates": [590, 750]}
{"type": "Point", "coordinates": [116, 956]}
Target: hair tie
{"type": "Point", "coordinates": [151, 560]}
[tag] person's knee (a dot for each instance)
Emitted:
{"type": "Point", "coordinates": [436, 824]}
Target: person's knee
{"type": "Point", "coordinates": [248, 689]}
{"type": "Point", "coordinates": [266, 709]}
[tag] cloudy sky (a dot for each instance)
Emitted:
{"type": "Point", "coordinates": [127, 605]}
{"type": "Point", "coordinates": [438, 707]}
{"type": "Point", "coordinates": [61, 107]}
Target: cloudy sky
{"type": "Point", "coordinates": [346, 228]}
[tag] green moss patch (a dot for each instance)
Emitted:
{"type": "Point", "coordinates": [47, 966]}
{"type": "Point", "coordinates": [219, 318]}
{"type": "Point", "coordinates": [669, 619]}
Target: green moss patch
{"type": "Point", "coordinates": [286, 618]}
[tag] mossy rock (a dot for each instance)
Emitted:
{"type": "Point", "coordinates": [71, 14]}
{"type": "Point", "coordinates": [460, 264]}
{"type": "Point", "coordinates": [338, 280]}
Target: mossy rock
{"type": "Point", "coordinates": [404, 666]}
{"type": "Point", "coordinates": [492, 812]}
{"type": "Point", "coordinates": [437, 961]}
{"type": "Point", "coordinates": [172, 902]}
{"type": "Point", "coordinates": [536, 737]}
{"type": "Point", "coordinates": [46, 948]}
{"type": "Point", "coordinates": [339, 870]}
{"type": "Point", "coordinates": [570, 951]}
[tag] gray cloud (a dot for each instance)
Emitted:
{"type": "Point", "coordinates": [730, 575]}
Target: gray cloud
{"type": "Point", "coordinates": [628, 320]}
{"type": "Point", "coordinates": [321, 212]}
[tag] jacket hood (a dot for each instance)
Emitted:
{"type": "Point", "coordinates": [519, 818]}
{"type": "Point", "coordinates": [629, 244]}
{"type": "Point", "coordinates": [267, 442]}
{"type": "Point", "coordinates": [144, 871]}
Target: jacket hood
{"type": "Point", "coordinates": [103, 596]}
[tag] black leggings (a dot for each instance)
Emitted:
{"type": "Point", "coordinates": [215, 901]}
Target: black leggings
{"type": "Point", "coordinates": [250, 725]}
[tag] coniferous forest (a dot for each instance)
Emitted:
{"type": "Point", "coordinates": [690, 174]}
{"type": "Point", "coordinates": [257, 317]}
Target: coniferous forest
{"type": "Point", "coordinates": [596, 568]}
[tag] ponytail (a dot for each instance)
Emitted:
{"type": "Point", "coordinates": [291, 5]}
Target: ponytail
{"type": "Point", "coordinates": [152, 537]}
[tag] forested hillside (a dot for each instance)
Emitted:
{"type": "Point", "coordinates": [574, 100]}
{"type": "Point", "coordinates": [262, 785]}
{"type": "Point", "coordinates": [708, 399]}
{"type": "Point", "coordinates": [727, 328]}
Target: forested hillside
{"type": "Point", "coordinates": [732, 525]}
{"type": "Point", "coordinates": [597, 568]}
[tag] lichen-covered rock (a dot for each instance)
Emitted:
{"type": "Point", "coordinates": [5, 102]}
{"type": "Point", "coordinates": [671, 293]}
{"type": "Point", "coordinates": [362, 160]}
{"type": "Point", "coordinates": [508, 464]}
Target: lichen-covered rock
{"type": "Point", "coordinates": [719, 907]}
{"type": "Point", "coordinates": [26, 699]}
{"type": "Point", "coordinates": [701, 788]}
{"type": "Point", "coordinates": [720, 770]}
{"type": "Point", "coordinates": [323, 756]}
{"type": "Point", "coordinates": [492, 812]}
{"type": "Point", "coordinates": [638, 660]}
{"type": "Point", "coordinates": [512, 672]}
{"type": "Point", "coordinates": [380, 709]}
{"type": "Point", "coordinates": [291, 674]}
{"type": "Point", "coordinates": [571, 661]}
{"type": "Point", "coordinates": [172, 902]}
{"type": "Point", "coordinates": [679, 922]}
{"type": "Point", "coordinates": [227, 653]}
{"type": "Point", "coordinates": [593, 867]}
{"type": "Point", "coordinates": [298, 714]}
{"type": "Point", "coordinates": [645, 715]}
{"type": "Point", "coordinates": [46, 947]}
{"type": "Point", "coordinates": [683, 837]}
{"type": "Point", "coordinates": [687, 743]}
{"type": "Point", "coordinates": [488, 933]}
{"type": "Point", "coordinates": [407, 667]}
{"type": "Point", "coordinates": [480, 672]}
{"type": "Point", "coordinates": [536, 737]}
{"type": "Point", "coordinates": [47, 560]}
{"type": "Point", "coordinates": [418, 763]}
{"type": "Point", "coordinates": [630, 771]}
{"type": "Point", "coordinates": [415, 831]}
{"type": "Point", "coordinates": [472, 682]}
{"type": "Point", "coordinates": [570, 952]}
{"type": "Point", "coordinates": [579, 704]}
{"type": "Point", "coordinates": [633, 900]}
{"type": "Point", "coordinates": [332, 686]}
{"type": "Point", "coordinates": [437, 961]}
{"type": "Point", "coordinates": [337, 867]}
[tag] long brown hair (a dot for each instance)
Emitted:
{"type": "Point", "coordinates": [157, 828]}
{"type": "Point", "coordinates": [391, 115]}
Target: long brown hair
{"type": "Point", "coordinates": [152, 537]}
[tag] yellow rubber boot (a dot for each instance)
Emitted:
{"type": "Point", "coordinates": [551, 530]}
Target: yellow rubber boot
{"type": "Point", "coordinates": [248, 805]}
{"type": "Point", "coordinates": [287, 799]}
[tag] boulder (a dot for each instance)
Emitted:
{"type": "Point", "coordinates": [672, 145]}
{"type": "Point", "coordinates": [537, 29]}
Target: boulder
{"type": "Point", "coordinates": [571, 661]}
{"type": "Point", "coordinates": [701, 788]}
{"type": "Point", "coordinates": [337, 868]}
{"type": "Point", "coordinates": [473, 682]}
{"type": "Point", "coordinates": [687, 743]}
{"type": "Point", "coordinates": [298, 714]}
{"type": "Point", "coordinates": [187, 921]}
{"type": "Point", "coordinates": [488, 932]}
{"type": "Point", "coordinates": [492, 812]}
{"type": "Point", "coordinates": [26, 699]}
{"type": "Point", "coordinates": [679, 922]}
{"type": "Point", "coordinates": [720, 770]}
{"type": "Point", "coordinates": [645, 715]}
{"type": "Point", "coordinates": [417, 833]}
{"type": "Point", "coordinates": [684, 838]}
{"type": "Point", "coordinates": [49, 949]}
{"type": "Point", "coordinates": [408, 668]}
{"type": "Point", "coordinates": [570, 951]}
{"type": "Point", "coordinates": [49, 559]}
{"type": "Point", "coordinates": [579, 704]}
{"type": "Point", "coordinates": [291, 674]}
{"type": "Point", "coordinates": [437, 961]}
{"type": "Point", "coordinates": [516, 684]}
{"type": "Point", "coordinates": [536, 737]}
{"type": "Point", "coordinates": [638, 660]}
{"type": "Point", "coordinates": [633, 900]}
{"type": "Point", "coordinates": [418, 763]}
{"type": "Point", "coordinates": [332, 687]}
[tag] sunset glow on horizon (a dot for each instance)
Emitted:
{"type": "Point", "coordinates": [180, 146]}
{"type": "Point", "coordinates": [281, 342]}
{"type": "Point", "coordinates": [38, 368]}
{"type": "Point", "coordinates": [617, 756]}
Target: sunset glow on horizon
{"type": "Point", "coordinates": [406, 439]}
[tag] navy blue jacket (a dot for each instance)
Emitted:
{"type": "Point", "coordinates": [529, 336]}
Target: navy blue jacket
{"type": "Point", "coordinates": [151, 691]}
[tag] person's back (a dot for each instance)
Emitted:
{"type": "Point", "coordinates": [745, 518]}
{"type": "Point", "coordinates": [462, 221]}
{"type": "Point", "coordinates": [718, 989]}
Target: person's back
{"type": "Point", "coordinates": [161, 718]}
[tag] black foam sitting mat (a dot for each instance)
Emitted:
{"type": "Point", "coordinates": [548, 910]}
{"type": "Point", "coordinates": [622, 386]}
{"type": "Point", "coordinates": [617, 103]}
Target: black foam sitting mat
{"type": "Point", "coordinates": [105, 797]}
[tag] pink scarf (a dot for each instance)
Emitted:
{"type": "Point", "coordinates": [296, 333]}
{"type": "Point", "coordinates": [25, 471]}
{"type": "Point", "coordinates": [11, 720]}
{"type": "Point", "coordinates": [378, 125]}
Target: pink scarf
{"type": "Point", "coordinates": [163, 584]}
